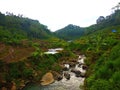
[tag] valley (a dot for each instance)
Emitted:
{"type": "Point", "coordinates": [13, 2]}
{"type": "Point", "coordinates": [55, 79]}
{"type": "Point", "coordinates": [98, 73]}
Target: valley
{"type": "Point", "coordinates": [74, 58]}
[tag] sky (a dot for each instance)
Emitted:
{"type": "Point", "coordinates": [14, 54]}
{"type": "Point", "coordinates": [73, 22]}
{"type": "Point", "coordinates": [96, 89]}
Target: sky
{"type": "Point", "coordinates": [57, 14]}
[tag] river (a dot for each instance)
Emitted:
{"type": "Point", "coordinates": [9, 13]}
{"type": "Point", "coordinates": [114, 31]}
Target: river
{"type": "Point", "coordinates": [73, 83]}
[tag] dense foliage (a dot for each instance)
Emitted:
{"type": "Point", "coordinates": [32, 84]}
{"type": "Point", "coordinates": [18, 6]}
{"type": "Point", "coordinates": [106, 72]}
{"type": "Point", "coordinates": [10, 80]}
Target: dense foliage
{"type": "Point", "coordinates": [101, 46]}
{"type": "Point", "coordinates": [70, 32]}
{"type": "Point", "coordinates": [15, 28]}
{"type": "Point", "coordinates": [103, 55]}
{"type": "Point", "coordinates": [100, 43]}
{"type": "Point", "coordinates": [111, 20]}
{"type": "Point", "coordinates": [102, 51]}
{"type": "Point", "coordinates": [103, 61]}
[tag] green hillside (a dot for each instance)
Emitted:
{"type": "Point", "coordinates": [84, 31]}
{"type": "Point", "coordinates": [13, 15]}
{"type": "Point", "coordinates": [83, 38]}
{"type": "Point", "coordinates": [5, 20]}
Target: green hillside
{"type": "Point", "coordinates": [101, 46]}
{"type": "Point", "coordinates": [70, 32]}
{"type": "Point", "coordinates": [15, 28]}
{"type": "Point", "coordinates": [110, 20]}
{"type": "Point", "coordinates": [23, 42]}
{"type": "Point", "coordinates": [102, 50]}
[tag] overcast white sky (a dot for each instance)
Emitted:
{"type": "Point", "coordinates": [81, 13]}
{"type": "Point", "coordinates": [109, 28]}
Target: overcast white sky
{"type": "Point", "coordinates": [58, 13]}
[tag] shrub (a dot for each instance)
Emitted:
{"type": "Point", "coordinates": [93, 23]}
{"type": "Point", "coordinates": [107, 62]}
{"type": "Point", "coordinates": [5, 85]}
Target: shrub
{"type": "Point", "coordinates": [115, 80]}
{"type": "Point", "coordinates": [100, 85]}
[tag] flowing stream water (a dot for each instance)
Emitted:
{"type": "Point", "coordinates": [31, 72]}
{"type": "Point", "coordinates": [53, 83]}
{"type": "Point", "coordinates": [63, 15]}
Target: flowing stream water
{"type": "Point", "coordinates": [73, 83]}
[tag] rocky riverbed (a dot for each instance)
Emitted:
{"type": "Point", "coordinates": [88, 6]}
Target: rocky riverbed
{"type": "Point", "coordinates": [72, 77]}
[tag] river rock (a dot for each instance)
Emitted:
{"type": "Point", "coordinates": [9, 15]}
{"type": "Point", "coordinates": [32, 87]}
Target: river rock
{"type": "Point", "coordinates": [77, 72]}
{"type": "Point", "coordinates": [67, 75]}
{"type": "Point", "coordinates": [65, 69]}
{"type": "Point", "coordinates": [47, 79]}
{"type": "Point", "coordinates": [84, 67]}
{"type": "Point", "coordinates": [72, 64]}
{"type": "Point", "coordinates": [57, 76]}
{"type": "Point", "coordinates": [74, 70]}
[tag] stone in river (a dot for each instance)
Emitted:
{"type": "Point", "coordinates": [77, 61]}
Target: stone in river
{"type": "Point", "coordinates": [65, 69]}
{"type": "Point", "coordinates": [59, 77]}
{"type": "Point", "coordinates": [47, 79]}
{"type": "Point", "coordinates": [67, 75]}
{"type": "Point", "coordinates": [77, 72]}
{"type": "Point", "coordinates": [84, 67]}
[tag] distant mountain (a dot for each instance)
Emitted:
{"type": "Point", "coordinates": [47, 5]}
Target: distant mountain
{"type": "Point", "coordinates": [70, 32]}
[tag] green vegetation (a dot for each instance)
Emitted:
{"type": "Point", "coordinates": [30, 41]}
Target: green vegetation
{"type": "Point", "coordinates": [101, 47]}
{"type": "Point", "coordinates": [101, 59]}
{"type": "Point", "coordinates": [70, 32]}
{"type": "Point", "coordinates": [23, 42]}
{"type": "Point", "coordinates": [15, 28]}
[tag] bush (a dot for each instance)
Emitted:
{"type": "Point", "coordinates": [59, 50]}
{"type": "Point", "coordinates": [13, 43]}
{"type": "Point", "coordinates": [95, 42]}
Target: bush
{"type": "Point", "coordinates": [115, 80]}
{"type": "Point", "coordinates": [27, 72]}
{"type": "Point", "coordinates": [103, 73]}
{"type": "Point", "coordinates": [89, 81]}
{"type": "Point", "coordinates": [100, 85]}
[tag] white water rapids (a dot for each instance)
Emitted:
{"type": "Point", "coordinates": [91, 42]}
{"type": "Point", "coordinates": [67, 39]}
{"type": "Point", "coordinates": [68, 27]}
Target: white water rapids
{"type": "Point", "coordinates": [73, 84]}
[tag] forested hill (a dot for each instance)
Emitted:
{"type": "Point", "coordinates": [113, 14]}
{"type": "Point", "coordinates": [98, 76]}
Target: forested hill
{"type": "Point", "coordinates": [70, 32]}
{"type": "Point", "coordinates": [105, 22]}
{"type": "Point", "coordinates": [26, 62]}
{"type": "Point", "coordinates": [14, 28]}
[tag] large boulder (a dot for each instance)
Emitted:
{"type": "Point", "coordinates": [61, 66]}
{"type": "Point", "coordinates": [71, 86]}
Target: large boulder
{"type": "Point", "coordinates": [47, 79]}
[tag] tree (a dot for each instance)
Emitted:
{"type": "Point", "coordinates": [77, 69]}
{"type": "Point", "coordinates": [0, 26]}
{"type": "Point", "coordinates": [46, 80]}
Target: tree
{"type": "Point", "coordinates": [100, 19]}
{"type": "Point", "coordinates": [2, 19]}
{"type": "Point", "coordinates": [116, 7]}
